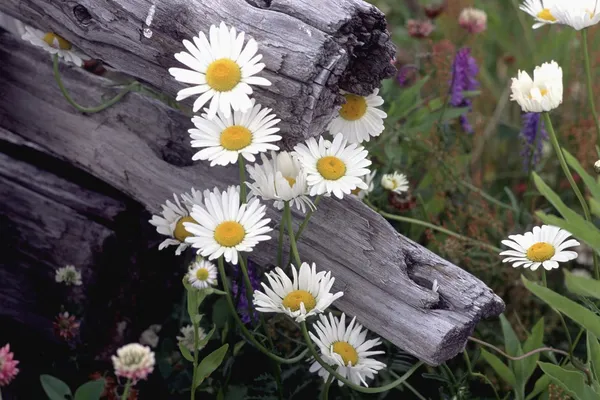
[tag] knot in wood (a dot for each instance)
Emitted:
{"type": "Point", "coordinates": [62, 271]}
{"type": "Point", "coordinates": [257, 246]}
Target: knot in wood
{"type": "Point", "coordinates": [82, 15]}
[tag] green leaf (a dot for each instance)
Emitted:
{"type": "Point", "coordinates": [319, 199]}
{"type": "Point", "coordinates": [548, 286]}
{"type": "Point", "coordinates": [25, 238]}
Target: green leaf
{"type": "Point", "coordinates": [204, 341]}
{"type": "Point", "coordinates": [589, 181]}
{"type": "Point", "coordinates": [593, 349]}
{"type": "Point", "coordinates": [499, 367]}
{"type": "Point", "coordinates": [185, 352]}
{"type": "Point", "coordinates": [220, 313]}
{"type": "Point", "coordinates": [55, 388]}
{"type": "Point", "coordinates": [238, 346]}
{"type": "Point", "coordinates": [595, 207]}
{"type": "Point", "coordinates": [540, 385]}
{"type": "Point", "coordinates": [553, 198]}
{"type": "Point", "coordinates": [91, 390]}
{"type": "Point", "coordinates": [582, 286]}
{"type": "Point", "coordinates": [573, 382]}
{"type": "Point", "coordinates": [577, 313]}
{"type": "Point", "coordinates": [578, 226]}
{"type": "Point", "coordinates": [534, 341]}
{"type": "Point", "coordinates": [513, 348]}
{"type": "Point", "coordinates": [209, 364]}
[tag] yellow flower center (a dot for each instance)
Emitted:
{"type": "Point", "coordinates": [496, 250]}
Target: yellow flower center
{"type": "Point", "coordinates": [348, 353]}
{"type": "Point", "coordinates": [546, 15]}
{"type": "Point", "coordinates": [291, 181]}
{"type": "Point", "coordinates": [293, 300]}
{"type": "Point", "coordinates": [180, 233]}
{"type": "Point", "coordinates": [229, 233]}
{"type": "Point", "coordinates": [52, 39]}
{"type": "Point", "coordinates": [202, 274]}
{"type": "Point", "coordinates": [354, 107]}
{"type": "Point", "coordinates": [235, 137]}
{"type": "Point", "coordinates": [540, 252]}
{"type": "Point", "coordinates": [223, 74]}
{"type": "Point", "coordinates": [331, 168]}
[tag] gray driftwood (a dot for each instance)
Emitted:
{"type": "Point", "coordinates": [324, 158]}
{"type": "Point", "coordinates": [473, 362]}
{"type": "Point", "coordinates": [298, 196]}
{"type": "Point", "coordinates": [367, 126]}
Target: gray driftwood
{"type": "Point", "coordinates": [140, 146]}
{"type": "Point", "coordinates": [311, 48]}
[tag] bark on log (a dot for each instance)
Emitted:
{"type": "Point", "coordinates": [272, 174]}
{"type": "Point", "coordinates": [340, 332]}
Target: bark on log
{"type": "Point", "coordinates": [140, 147]}
{"type": "Point", "coordinates": [311, 48]}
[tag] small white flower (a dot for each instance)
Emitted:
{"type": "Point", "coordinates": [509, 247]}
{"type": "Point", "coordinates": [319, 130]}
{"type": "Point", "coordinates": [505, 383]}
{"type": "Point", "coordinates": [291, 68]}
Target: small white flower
{"type": "Point", "coordinates": [134, 361]}
{"type": "Point", "coordinates": [202, 274]}
{"type": "Point", "coordinates": [150, 336]}
{"type": "Point", "coordinates": [69, 275]}
{"type": "Point", "coordinates": [544, 246]}
{"type": "Point", "coordinates": [221, 70]}
{"type": "Point", "coordinates": [597, 167]}
{"type": "Point", "coordinates": [369, 181]}
{"type": "Point", "coordinates": [359, 118]}
{"type": "Point", "coordinates": [280, 178]}
{"type": "Point", "coordinates": [223, 139]}
{"type": "Point", "coordinates": [224, 227]}
{"type": "Point", "coordinates": [173, 216]}
{"type": "Point", "coordinates": [54, 44]}
{"type": "Point", "coordinates": [346, 348]}
{"type": "Point", "coordinates": [187, 337]}
{"type": "Point", "coordinates": [542, 10]}
{"type": "Point", "coordinates": [305, 295]}
{"type": "Point", "coordinates": [578, 14]}
{"type": "Point", "coordinates": [395, 182]}
{"type": "Point", "coordinates": [333, 167]}
{"type": "Point", "coordinates": [473, 20]}
{"type": "Point", "coordinates": [543, 93]}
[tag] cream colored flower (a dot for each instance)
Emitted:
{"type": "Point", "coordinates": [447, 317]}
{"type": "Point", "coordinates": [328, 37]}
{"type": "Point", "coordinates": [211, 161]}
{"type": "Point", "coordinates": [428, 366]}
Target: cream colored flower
{"type": "Point", "coordinates": [202, 274]}
{"type": "Point", "coordinates": [578, 14]}
{"type": "Point", "coordinates": [473, 20]}
{"type": "Point", "coordinates": [542, 10]}
{"type": "Point", "coordinates": [369, 181]}
{"type": "Point", "coordinates": [395, 182]}
{"type": "Point", "coordinates": [359, 119]}
{"type": "Point", "coordinates": [69, 275]}
{"type": "Point", "coordinates": [134, 361]}
{"type": "Point", "coordinates": [187, 337]}
{"type": "Point", "coordinates": [542, 93]}
{"type": "Point", "coordinates": [54, 44]}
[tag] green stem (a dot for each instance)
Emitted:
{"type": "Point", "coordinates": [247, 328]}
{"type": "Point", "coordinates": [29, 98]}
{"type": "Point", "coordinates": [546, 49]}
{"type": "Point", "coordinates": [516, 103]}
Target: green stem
{"type": "Point", "coordinates": [485, 195]}
{"type": "Point", "coordinates": [326, 387]}
{"type": "Point", "coordinates": [89, 110]}
{"type": "Point", "coordinates": [432, 226]}
{"type": "Point", "coordinates": [487, 380]}
{"type": "Point", "coordinates": [125, 395]}
{"type": "Point", "coordinates": [408, 386]}
{"type": "Point", "coordinates": [249, 288]}
{"type": "Point", "coordinates": [544, 281]}
{"type": "Point", "coordinates": [195, 371]}
{"type": "Point", "coordinates": [565, 168]}
{"type": "Point", "coordinates": [347, 382]}
{"type": "Point", "coordinates": [307, 218]}
{"type": "Point", "coordinates": [577, 339]}
{"type": "Point", "coordinates": [288, 216]}
{"type": "Point", "coordinates": [242, 179]}
{"type": "Point", "coordinates": [590, 89]}
{"type": "Point", "coordinates": [244, 330]}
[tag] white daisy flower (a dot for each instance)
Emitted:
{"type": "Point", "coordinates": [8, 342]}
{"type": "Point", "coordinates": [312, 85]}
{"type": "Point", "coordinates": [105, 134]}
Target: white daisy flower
{"type": "Point", "coordinates": [187, 337]}
{"type": "Point", "coordinates": [202, 274]}
{"type": "Point", "coordinates": [542, 10]}
{"type": "Point", "coordinates": [544, 246]}
{"type": "Point", "coordinates": [69, 275]}
{"type": "Point", "coordinates": [346, 348]}
{"type": "Point", "coordinates": [221, 70]}
{"type": "Point", "coordinates": [543, 93]}
{"type": "Point", "coordinates": [333, 167]}
{"type": "Point", "coordinates": [134, 361]}
{"type": "Point", "coordinates": [172, 219]}
{"type": "Point", "coordinates": [305, 295]}
{"type": "Point", "coordinates": [280, 178]}
{"type": "Point", "coordinates": [224, 227]}
{"type": "Point", "coordinates": [395, 182]}
{"type": "Point", "coordinates": [359, 118]}
{"type": "Point", "coordinates": [578, 14]}
{"type": "Point", "coordinates": [223, 138]}
{"type": "Point", "coordinates": [54, 44]}
{"type": "Point", "coordinates": [369, 181]}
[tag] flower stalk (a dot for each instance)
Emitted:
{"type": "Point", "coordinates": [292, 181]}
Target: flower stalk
{"type": "Point", "coordinates": [589, 82]}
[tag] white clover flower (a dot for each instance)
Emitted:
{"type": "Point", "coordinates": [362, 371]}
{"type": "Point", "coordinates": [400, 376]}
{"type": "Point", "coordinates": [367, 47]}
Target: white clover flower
{"type": "Point", "coordinates": [542, 10]}
{"type": "Point", "coordinates": [395, 182]}
{"type": "Point", "coordinates": [280, 178]}
{"type": "Point", "coordinates": [369, 181]}
{"type": "Point", "coordinates": [221, 70]}
{"type": "Point", "coordinates": [54, 44]}
{"type": "Point", "coordinates": [543, 93]}
{"type": "Point", "coordinates": [150, 336]}
{"type": "Point", "coordinates": [202, 274]}
{"type": "Point", "coordinates": [473, 20]}
{"type": "Point", "coordinates": [359, 119]}
{"type": "Point", "coordinates": [134, 361]}
{"type": "Point", "coordinates": [187, 337]}
{"type": "Point", "coordinates": [305, 295]}
{"type": "Point", "coordinates": [170, 223]}
{"type": "Point", "coordinates": [224, 138]}
{"type": "Point", "coordinates": [346, 348]}
{"type": "Point", "coordinates": [69, 275]}
{"type": "Point", "coordinates": [333, 167]}
{"type": "Point", "coordinates": [543, 246]}
{"type": "Point", "coordinates": [224, 227]}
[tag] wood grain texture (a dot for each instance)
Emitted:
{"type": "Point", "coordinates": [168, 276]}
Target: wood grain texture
{"type": "Point", "coordinates": [141, 147]}
{"type": "Point", "coordinates": [311, 48]}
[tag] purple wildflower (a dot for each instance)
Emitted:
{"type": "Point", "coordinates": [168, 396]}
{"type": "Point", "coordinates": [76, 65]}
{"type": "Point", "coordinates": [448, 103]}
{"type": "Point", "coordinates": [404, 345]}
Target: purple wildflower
{"type": "Point", "coordinates": [464, 70]}
{"type": "Point", "coordinates": [407, 75]}
{"type": "Point", "coordinates": [239, 286]}
{"type": "Point", "coordinates": [533, 136]}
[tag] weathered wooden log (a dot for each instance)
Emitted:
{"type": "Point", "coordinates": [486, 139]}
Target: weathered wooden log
{"type": "Point", "coordinates": [311, 48]}
{"type": "Point", "coordinates": [140, 147]}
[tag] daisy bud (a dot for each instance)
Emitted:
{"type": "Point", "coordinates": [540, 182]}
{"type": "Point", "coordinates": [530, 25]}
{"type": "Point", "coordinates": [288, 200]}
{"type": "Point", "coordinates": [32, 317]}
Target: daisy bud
{"type": "Point", "coordinates": [542, 93]}
{"type": "Point", "coordinates": [473, 20]}
{"type": "Point", "coordinates": [597, 167]}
